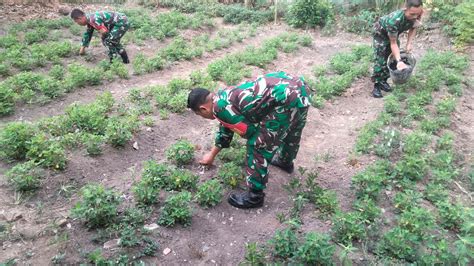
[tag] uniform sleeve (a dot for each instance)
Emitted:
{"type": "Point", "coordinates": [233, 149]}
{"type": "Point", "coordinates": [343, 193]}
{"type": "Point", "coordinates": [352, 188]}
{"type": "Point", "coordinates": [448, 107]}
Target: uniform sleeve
{"type": "Point", "coordinates": [392, 27]}
{"type": "Point", "coordinates": [99, 22]}
{"type": "Point", "coordinates": [223, 137]}
{"type": "Point", "coordinates": [86, 38]}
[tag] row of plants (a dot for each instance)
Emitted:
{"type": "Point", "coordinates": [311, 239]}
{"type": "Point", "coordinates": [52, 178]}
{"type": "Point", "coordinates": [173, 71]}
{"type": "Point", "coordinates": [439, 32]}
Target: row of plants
{"type": "Point", "coordinates": [182, 49]}
{"type": "Point", "coordinates": [31, 87]}
{"type": "Point", "coordinates": [234, 14]}
{"type": "Point", "coordinates": [343, 68]}
{"type": "Point", "coordinates": [145, 26]}
{"type": "Point", "coordinates": [418, 168]}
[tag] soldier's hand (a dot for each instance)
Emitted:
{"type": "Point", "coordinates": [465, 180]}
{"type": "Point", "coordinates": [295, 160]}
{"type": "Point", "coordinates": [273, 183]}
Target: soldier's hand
{"type": "Point", "coordinates": [208, 159]}
{"type": "Point", "coordinates": [401, 65]}
{"type": "Point", "coordinates": [82, 51]}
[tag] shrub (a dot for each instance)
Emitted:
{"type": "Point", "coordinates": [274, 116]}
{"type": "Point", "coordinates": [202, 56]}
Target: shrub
{"type": "Point", "coordinates": [98, 206]}
{"type": "Point", "coordinates": [231, 174]}
{"type": "Point", "coordinates": [177, 209]}
{"type": "Point", "coordinates": [368, 208]}
{"type": "Point", "coordinates": [57, 72]}
{"type": "Point", "coordinates": [406, 200]}
{"type": "Point", "coordinates": [81, 76]}
{"type": "Point", "coordinates": [209, 193]}
{"type": "Point", "coordinates": [316, 250]}
{"type": "Point", "coordinates": [46, 152]}
{"type": "Point", "coordinates": [436, 192]}
{"type": "Point", "coordinates": [414, 142]}
{"type": "Point", "coordinates": [371, 181]}
{"type": "Point", "coordinates": [412, 167]}
{"type": "Point", "coordinates": [25, 176]}
{"type": "Point", "coordinates": [309, 13]}
{"type": "Point", "coordinates": [181, 153]}
{"type": "Point", "coordinates": [14, 140]}
{"type": "Point", "coordinates": [360, 23]}
{"type": "Point", "coordinates": [93, 144]}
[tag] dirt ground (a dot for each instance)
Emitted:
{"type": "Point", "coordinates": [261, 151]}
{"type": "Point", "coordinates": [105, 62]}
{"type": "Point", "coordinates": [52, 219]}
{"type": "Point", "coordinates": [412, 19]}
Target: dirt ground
{"type": "Point", "coordinates": [217, 236]}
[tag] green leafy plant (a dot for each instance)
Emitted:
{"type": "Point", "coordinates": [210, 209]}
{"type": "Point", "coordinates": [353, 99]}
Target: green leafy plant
{"type": "Point", "coordinates": [315, 250]}
{"type": "Point", "coordinates": [399, 243]}
{"type": "Point", "coordinates": [181, 153]}
{"type": "Point", "coordinates": [98, 206]}
{"type": "Point", "coordinates": [7, 100]}
{"type": "Point", "coordinates": [436, 192]}
{"type": "Point", "coordinates": [209, 193]}
{"type": "Point", "coordinates": [182, 179]}
{"type": "Point", "coordinates": [411, 167]}
{"type": "Point", "coordinates": [368, 208]}
{"type": "Point", "coordinates": [348, 227]}
{"type": "Point", "coordinates": [451, 215]}
{"type": "Point", "coordinates": [25, 176]}
{"type": "Point", "coordinates": [46, 152]}
{"type": "Point", "coordinates": [231, 174]}
{"type": "Point", "coordinates": [309, 13]}
{"type": "Point", "coordinates": [406, 200]}
{"type": "Point", "coordinates": [372, 180]}
{"type": "Point", "coordinates": [93, 144]}
{"type": "Point", "coordinates": [119, 131]}
{"type": "Point", "coordinates": [285, 243]}
{"type": "Point", "coordinates": [417, 221]}
{"type": "Point", "coordinates": [254, 255]}
{"type": "Point", "coordinates": [14, 140]}
{"type": "Point", "coordinates": [177, 209]}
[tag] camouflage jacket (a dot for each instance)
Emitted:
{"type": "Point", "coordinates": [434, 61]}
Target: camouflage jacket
{"type": "Point", "coordinates": [102, 20]}
{"type": "Point", "coordinates": [241, 109]}
{"type": "Point", "coordinates": [393, 24]}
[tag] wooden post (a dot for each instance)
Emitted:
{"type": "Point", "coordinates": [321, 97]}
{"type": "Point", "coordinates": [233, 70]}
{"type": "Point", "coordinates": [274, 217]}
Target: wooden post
{"type": "Point", "coordinates": [276, 11]}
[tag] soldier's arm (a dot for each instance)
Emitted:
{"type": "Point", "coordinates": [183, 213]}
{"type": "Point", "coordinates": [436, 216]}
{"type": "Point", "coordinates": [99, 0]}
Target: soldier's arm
{"type": "Point", "coordinates": [86, 38]}
{"type": "Point", "coordinates": [100, 26]}
{"type": "Point", "coordinates": [224, 137]}
{"type": "Point", "coordinates": [411, 36]}
{"type": "Point", "coordinates": [394, 47]}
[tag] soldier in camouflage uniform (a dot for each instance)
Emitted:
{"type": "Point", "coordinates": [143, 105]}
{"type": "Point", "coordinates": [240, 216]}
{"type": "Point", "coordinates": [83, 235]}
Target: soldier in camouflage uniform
{"type": "Point", "coordinates": [270, 113]}
{"type": "Point", "coordinates": [111, 25]}
{"type": "Point", "coordinates": [385, 41]}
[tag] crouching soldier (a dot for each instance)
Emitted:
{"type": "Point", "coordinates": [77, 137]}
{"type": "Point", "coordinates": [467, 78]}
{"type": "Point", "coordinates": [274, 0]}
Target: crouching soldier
{"type": "Point", "coordinates": [111, 26]}
{"type": "Point", "coordinates": [270, 112]}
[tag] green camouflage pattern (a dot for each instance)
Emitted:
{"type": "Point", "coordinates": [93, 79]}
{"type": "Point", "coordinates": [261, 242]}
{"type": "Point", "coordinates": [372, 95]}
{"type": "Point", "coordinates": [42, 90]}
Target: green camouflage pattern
{"type": "Point", "coordinates": [116, 24]}
{"type": "Point", "coordinates": [273, 109]}
{"type": "Point", "coordinates": [390, 25]}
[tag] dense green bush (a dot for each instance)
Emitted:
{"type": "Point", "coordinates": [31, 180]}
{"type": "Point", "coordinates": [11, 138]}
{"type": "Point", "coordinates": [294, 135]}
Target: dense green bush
{"type": "Point", "coordinates": [181, 153]}
{"type": "Point", "coordinates": [15, 140]}
{"type": "Point", "coordinates": [177, 209]}
{"type": "Point", "coordinates": [25, 176]}
{"type": "Point", "coordinates": [361, 22]}
{"type": "Point", "coordinates": [309, 13]}
{"type": "Point", "coordinates": [46, 152]}
{"type": "Point", "coordinates": [209, 193]}
{"type": "Point", "coordinates": [315, 250]}
{"type": "Point", "coordinates": [98, 206]}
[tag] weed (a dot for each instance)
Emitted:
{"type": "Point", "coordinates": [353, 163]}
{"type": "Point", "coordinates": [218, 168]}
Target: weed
{"type": "Point", "coordinates": [151, 247]}
{"type": "Point", "coordinates": [177, 209]}
{"type": "Point", "coordinates": [389, 141]}
{"type": "Point", "coordinates": [316, 250]}
{"type": "Point", "coordinates": [326, 202]}
{"type": "Point", "coordinates": [181, 153]}
{"type": "Point", "coordinates": [209, 193]}
{"type": "Point", "coordinates": [46, 152]}
{"type": "Point", "coordinates": [98, 206]}
{"type": "Point", "coordinates": [254, 255]}
{"type": "Point", "coordinates": [25, 176]}
{"type": "Point", "coordinates": [348, 227]}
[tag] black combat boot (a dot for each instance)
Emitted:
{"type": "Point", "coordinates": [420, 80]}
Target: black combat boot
{"type": "Point", "coordinates": [376, 92]}
{"type": "Point", "coordinates": [124, 56]}
{"type": "Point", "coordinates": [385, 86]}
{"type": "Point", "coordinates": [247, 200]}
{"type": "Point", "coordinates": [289, 168]}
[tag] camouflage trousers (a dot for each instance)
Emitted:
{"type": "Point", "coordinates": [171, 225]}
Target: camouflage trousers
{"type": "Point", "coordinates": [279, 133]}
{"type": "Point", "coordinates": [111, 40]}
{"type": "Point", "coordinates": [382, 51]}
